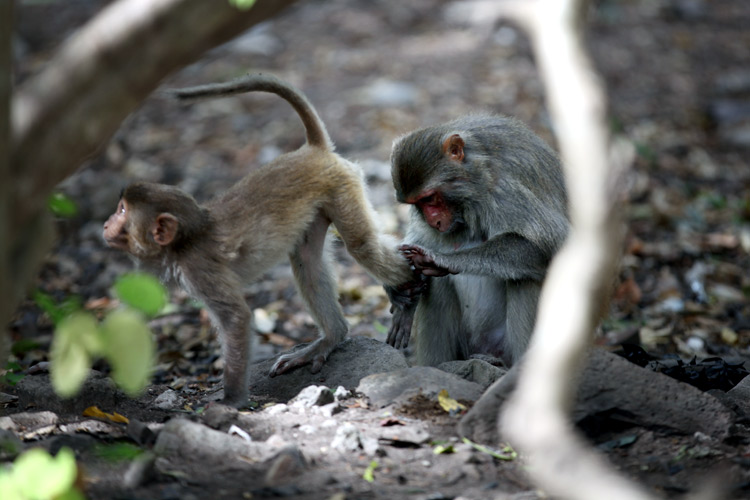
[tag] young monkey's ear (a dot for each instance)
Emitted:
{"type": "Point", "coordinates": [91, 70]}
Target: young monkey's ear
{"type": "Point", "coordinates": [453, 147]}
{"type": "Point", "coordinates": [164, 229]}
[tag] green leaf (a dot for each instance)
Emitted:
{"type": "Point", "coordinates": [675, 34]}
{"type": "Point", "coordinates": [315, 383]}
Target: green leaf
{"type": "Point", "coordinates": [23, 346]}
{"type": "Point", "coordinates": [12, 375]}
{"type": "Point", "coordinates": [506, 454]}
{"type": "Point", "coordinates": [380, 327]}
{"type": "Point", "coordinates": [368, 475]}
{"type": "Point", "coordinates": [443, 448]}
{"type": "Point", "coordinates": [117, 452]}
{"type": "Point", "coordinates": [61, 205]}
{"type": "Point", "coordinates": [12, 378]}
{"type": "Point", "coordinates": [8, 490]}
{"type": "Point", "coordinates": [59, 473]}
{"type": "Point", "coordinates": [76, 339]}
{"type": "Point", "coordinates": [47, 304]}
{"type": "Point", "coordinates": [129, 347]}
{"type": "Point", "coordinates": [242, 4]}
{"type": "Point", "coordinates": [56, 312]}
{"type": "Point", "coordinates": [142, 291]}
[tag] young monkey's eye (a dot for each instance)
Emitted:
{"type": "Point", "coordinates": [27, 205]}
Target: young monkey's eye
{"type": "Point", "coordinates": [122, 208]}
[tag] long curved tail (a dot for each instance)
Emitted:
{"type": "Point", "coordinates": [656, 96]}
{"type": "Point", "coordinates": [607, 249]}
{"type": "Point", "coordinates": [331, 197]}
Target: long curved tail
{"type": "Point", "coordinates": [314, 128]}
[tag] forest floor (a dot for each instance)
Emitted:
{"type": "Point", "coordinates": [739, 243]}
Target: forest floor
{"type": "Point", "coordinates": [679, 86]}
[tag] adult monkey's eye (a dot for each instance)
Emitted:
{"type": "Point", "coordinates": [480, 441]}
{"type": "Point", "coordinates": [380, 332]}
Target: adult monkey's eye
{"type": "Point", "coordinates": [428, 200]}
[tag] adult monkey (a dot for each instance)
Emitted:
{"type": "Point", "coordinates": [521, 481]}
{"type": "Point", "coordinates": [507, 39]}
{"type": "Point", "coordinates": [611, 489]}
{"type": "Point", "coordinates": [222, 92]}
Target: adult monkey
{"type": "Point", "coordinates": [281, 209]}
{"type": "Point", "coordinates": [489, 212]}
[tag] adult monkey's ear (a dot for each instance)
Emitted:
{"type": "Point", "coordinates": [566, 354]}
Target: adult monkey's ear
{"type": "Point", "coordinates": [453, 147]}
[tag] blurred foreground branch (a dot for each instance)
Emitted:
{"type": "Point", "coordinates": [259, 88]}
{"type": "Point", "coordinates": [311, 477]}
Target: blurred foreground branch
{"type": "Point", "coordinates": [6, 56]}
{"type": "Point", "coordinates": [535, 418]}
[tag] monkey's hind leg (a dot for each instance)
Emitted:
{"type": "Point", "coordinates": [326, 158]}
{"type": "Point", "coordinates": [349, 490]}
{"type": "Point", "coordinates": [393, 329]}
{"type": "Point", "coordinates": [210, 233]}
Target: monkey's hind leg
{"type": "Point", "coordinates": [523, 297]}
{"type": "Point", "coordinates": [316, 282]}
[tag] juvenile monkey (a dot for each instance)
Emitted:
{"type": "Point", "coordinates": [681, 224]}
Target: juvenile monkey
{"type": "Point", "coordinates": [282, 208]}
{"type": "Point", "coordinates": [489, 212]}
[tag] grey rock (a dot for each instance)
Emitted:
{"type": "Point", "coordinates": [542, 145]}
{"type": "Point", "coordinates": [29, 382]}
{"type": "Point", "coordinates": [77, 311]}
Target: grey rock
{"type": "Point", "coordinates": [182, 442]}
{"type": "Point", "coordinates": [277, 409]}
{"type": "Point", "coordinates": [474, 370]}
{"type": "Point", "coordinates": [371, 446]}
{"type": "Point", "coordinates": [313, 395]}
{"type": "Point", "coordinates": [341, 393]}
{"type": "Point", "coordinates": [28, 420]}
{"type": "Point", "coordinates": [734, 82]}
{"type": "Point", "coordinates": [610, 383]}
{"type": "Point", "coordinates": [6, 399]}
{"type": "Point", "coordinates": [738, 398]}
{"type": "Point", "coordinates": [398, 386]}
{"type": "Point", "coordinates": [218, 416]}
{"type": "Point", "coordinates": [347, 438]}
{"type": "Point", "coordinates": [168, 400]}
{"type": "Point", "coordinates": [732, 117]}
{"type": "Point", "coordinates": [141, 470]}
{"type": "Point", "coordinates": [353, 359]}
{"type": "Point", "coordinates": [652, 399]}
{"type": "Point", "coordinates": [406, 434]}
{"type": "Point", "coordinates": [286, 466]}
{"type": "Point", "coordinates": [330, 409]}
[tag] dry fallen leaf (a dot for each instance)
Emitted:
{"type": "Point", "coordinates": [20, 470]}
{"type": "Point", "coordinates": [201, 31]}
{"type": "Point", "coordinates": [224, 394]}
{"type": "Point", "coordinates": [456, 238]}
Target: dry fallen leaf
{"type": "Point", "coordinates": [449, 404]}
{"type": "Point", "coordinates": [93, 411]}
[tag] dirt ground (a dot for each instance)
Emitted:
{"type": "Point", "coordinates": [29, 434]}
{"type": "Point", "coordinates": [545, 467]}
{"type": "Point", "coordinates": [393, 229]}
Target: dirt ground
{"type": "Point", "coordinates": [679, 85]}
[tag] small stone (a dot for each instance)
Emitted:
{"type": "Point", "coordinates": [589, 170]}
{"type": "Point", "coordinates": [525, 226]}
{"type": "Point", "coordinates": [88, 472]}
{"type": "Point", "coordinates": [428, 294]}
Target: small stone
{"type": "Point", "coordinates": [342, 393]}
{"type": "Point", "coordinates": [277, 409]}
{"type": "Point", "coordinates": [347, 438]}
{"type": "Point", "coordinates": [314, 395]}
{"type": "Point", "coordinates": [167, 400]}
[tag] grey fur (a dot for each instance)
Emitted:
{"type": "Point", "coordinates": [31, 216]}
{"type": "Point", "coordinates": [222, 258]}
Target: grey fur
{"type": "Point", "coordinates": [509, 197]}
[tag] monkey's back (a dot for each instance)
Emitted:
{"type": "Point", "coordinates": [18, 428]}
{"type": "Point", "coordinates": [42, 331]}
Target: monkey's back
{"type": "Point", "coordinates": [279, 201]}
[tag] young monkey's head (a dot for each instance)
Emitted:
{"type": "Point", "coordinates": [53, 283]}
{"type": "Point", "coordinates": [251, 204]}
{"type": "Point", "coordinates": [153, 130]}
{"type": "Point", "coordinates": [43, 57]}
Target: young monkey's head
{"type": "Point", "coordinates": [151, 218]}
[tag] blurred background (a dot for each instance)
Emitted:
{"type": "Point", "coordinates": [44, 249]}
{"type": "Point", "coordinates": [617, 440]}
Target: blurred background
{"type": "Point", "coordinates": [678, 77]}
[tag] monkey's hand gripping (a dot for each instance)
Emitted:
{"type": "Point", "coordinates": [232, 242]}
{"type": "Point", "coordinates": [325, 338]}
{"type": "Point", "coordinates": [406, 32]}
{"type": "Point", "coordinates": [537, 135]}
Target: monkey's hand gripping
{"type": "Point", "coordinates": [424, 261]}
{"type": "Point", "coordinates": [405, 301]}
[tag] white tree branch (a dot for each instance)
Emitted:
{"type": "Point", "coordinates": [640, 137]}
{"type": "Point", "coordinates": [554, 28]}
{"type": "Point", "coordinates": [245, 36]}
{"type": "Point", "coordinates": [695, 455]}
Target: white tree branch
{"type": "Point", "coordinates": [535, 418]}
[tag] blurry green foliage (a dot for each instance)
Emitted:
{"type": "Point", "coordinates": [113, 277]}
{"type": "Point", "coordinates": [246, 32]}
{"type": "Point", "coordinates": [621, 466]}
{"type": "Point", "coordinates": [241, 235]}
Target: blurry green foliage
{"type": "Point", "coordinates": [61, 205]}
{"type": "Point", "coordinates": [36, 475]}
{"type": "Point", "coordinates": [122, 338]}
{"type": "Point", "coordinates": [242, 4]}
{"type": "Point", "coordinates": [369, 475]}
{"type": "Point", "coordinates": [12, 374]}
{"type": "Point", "coordinates": [117, 452]}
{"type": "Point", "coordinates": [142, 291]}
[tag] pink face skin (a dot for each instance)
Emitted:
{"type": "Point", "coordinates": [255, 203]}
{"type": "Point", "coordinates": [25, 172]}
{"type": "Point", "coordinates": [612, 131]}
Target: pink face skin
{"type": "Point", "coordinates": [115, 233]}
{"type": "Point", "coordinates": [435, 211]}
